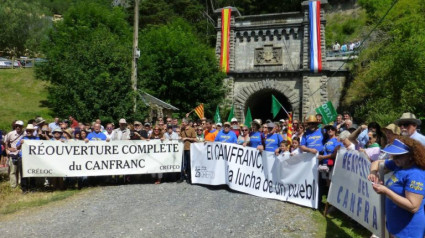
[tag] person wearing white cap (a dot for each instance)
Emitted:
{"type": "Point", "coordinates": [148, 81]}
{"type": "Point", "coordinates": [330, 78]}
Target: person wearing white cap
{"type": "Point", "coordinates": [122, 132]}
{"type": "Point", "coordinates": [408, 125]}
{"type": "Point", "coordinates": [404, 190]}
{"type": "Point", "coordinates": [235, 126]}
{"type": "Point", "coordinates": [11, 140]}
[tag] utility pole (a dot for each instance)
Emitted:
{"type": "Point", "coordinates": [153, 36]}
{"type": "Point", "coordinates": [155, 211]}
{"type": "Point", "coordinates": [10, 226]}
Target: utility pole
{"type": "Point", "coordinates": [136, 54]}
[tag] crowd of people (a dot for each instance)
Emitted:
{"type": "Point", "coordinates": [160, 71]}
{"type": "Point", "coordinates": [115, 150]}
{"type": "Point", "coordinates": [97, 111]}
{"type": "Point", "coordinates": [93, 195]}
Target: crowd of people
{"type": "Point", "coordinates": [351, 46]}
{"type": "Point", "coordinates": [399, 145]}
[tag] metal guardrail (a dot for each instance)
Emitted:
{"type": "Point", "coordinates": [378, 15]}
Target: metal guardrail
{"type": "Point", "coordinates": [22, 63]}
{"type": "Point", "coordinates": [341, 53]}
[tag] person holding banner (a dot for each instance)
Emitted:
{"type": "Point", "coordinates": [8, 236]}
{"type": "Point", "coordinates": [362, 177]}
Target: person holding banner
{"type": "Point", "coordinates": [11, 140]}
{"type": "Point", "coordinates": [26, 183]}
{"type": "Point", "coordinates": [404, 190]}
{"type": "Point", "coordinates": [329, 148]}
{"type": "Point", "coordinates": [255, 136]}
{"type": "Point", "coordinates": [272, 139]}
{"type": "Point", "coordinates": [243, 138]}
{"type": "Point", "coordinates": [210, 133]}
{"type": "Point", "coordinates": [188, 135]}
{"type": "Point", "coordinates": [312, 140]}
{"type": "Point", "coordinates": [226, 135]}
{"type": "Point", "coordinates": [157, 135]}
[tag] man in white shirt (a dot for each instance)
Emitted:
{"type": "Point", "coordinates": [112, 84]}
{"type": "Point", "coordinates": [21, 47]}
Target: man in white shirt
{"type": "Point", "coordinates": [408, 125]}
{"type": "Point", "coordinates": [11, 140]}
{"type": "Point", "coordinates": [121, 133]}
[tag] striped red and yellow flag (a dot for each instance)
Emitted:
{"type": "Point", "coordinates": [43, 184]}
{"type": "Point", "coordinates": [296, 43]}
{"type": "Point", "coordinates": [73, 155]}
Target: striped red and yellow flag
{"type": "Point", "coordinates": [289, 132]}
{"type": "Point", "coordinates": [225, 42]}
{"type": "Point", "coordinates": [199, 110]}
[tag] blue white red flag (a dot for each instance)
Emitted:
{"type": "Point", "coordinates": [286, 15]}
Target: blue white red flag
{"type": "Point", "coordinates": [315, 50]}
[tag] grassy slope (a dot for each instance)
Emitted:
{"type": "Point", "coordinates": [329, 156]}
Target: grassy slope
{"type": "Point", "coordinates": [21, 97]}
{"type": "Point", "coordinates": [345, 26]}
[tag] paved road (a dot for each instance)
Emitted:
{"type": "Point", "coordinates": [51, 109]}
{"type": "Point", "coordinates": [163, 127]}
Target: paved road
{"type": "Point", "coordinates": [165, 210]}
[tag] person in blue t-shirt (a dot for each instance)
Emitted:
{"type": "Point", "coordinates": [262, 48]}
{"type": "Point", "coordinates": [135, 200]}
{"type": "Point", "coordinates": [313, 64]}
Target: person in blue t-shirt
{"type": "Point", "coordinates": [226, 135]}
{"type": "Point", "coordinates": [329, 147]}
{"type": "Point", "coordinates": [255, 136]}
{"type": "Point", "coordinates": [272, 140]}
{"type": "Point", "coordinates": [26, 183]}
{"type": "Point", "coordinates": [97, 134]}
{"type": "Point", "coordinates": [312, 140]}
{"type": "Point", "coordinates": [404, 190]}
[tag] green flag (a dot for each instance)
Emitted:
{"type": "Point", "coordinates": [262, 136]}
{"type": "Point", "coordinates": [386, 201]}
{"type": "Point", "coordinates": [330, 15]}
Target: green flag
{"type": "Point", "coordinates": [231, 115]}
{"type": "Point", "coordinates": [276, 106]}
{"type": "Point", "coordinates": [217, 118]}
{"type": "Point", "coordinates": [328, 112]}
{"type": "Point", "coordinates": [248, 118]}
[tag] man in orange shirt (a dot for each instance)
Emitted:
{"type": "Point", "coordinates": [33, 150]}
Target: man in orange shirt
{"type": "Point", "coordinates": [210, 133]}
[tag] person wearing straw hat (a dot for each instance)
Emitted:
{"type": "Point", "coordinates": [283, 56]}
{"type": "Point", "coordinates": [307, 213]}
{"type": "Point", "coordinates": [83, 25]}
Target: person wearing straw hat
{"type": "Point", "coordinates": [408, 124]}
{"type": "Point", "coordinates": [404, 190]}
{"type": "Point", "coordinates": [312, 140]}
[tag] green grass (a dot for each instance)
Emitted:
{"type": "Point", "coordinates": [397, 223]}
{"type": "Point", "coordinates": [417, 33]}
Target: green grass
{"type": "Point", "coordinates": [337, 224]}
{"type": "Point", "coordinates": [21, 97]}
{"type": "Point", "coordinates": [13, 200]}
{"type": "Point", "coordinates": [345, 27]}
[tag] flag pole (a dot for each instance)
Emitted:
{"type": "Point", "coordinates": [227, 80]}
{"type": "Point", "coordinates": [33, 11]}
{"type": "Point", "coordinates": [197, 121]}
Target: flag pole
{"type": "Point", "coordinates": [285, 110]}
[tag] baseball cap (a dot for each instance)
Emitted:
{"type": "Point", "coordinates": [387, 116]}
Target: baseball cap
{"type": "Point", "coordinates": [234, 119]}
{"type": "Point", "coordinates": [122, 121]}
{"type": "Point", "coordinates": [19, 123]}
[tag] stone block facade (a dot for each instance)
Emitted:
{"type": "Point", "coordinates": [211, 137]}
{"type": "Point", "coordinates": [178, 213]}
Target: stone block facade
{"type": "Point", "coordinates": [269, 54]}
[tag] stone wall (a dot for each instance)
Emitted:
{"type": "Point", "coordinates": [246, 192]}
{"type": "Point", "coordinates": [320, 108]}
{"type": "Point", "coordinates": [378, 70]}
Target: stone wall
{"type": "Point", "coordinates": [272, 52]}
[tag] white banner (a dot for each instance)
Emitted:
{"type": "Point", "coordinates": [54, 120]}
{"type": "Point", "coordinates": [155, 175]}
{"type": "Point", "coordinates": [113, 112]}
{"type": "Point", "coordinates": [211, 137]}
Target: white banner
{"type": "Point", "coordinates": [77, 158]}
{"type": "Point", "coordinates": [353, 194]}
{"type": "Point", "coordinates": [292, 179]}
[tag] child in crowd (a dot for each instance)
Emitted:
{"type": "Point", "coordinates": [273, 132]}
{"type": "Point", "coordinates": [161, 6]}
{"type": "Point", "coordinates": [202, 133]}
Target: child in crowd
{"type": "Point", "coordinates": [283, 149]}
{"type": "Point", "coordinates": [295, 146]}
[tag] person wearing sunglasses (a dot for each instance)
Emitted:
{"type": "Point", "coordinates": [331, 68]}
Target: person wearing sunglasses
{"type": "Point", "coordinates": [157, 135]}
{"type": "Point", "coordinates": [200, 134]}
{"type": "Point", "coordinates": [243, 138]}
{"type": "Point", "coordinates": [408, 124]}
{"type": "Point", "coordinates": [108, 132]}
{"type": "Point", "coordinates": [373, 149]}
{"type": "Point", "coordinates": [404, 191]}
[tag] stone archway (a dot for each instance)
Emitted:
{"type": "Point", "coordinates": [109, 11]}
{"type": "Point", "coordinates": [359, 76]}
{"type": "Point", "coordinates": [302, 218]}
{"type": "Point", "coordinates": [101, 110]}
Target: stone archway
{"type": "Point", "coordinates": [260, 104]}
{"type": "Point", "coordinates": [263, 89]}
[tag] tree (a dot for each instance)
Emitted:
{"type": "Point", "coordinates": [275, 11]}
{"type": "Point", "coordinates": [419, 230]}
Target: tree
{"type": "Point", "coordinates": [89, 62]}
{"type": "Point", "coordinates": [22, 24]}
{"type": "Point", "coordinates": [389, 74]}
{"type": "Point", "coordinates": [177, 68]}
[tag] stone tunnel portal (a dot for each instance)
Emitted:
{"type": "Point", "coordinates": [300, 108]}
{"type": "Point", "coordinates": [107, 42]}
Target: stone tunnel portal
{"type": "Point", "coordinates": [260, 104]}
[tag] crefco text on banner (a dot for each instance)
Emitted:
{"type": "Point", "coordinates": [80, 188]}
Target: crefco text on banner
{"type": "Point", "coordinates": [95, 158]}
{"type": "Point", "coordinates": [245, 169]}
{"type": "Point", "coordinates": [353, 194]}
